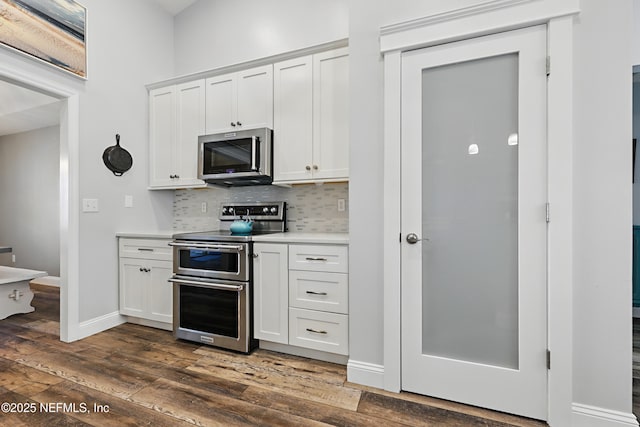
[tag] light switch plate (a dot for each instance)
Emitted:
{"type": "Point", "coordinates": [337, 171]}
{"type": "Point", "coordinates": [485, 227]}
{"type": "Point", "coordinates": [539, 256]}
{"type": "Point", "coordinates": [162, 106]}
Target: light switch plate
{"type": "Point", "coordinates": [128, 201]}
{"type": "Point", "coordinates": [89, 205]}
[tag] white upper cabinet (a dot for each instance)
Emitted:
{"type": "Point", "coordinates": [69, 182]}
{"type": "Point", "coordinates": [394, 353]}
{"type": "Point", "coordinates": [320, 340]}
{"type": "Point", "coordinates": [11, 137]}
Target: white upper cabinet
{"type": "Point", "coordinates": [331, 115]}
{"type": "Point", "coordinates": [293, 119]}
{"type": "Point", "coordinates": [311, 112]}
{"type": "Point", "coordinates": [176, 119]}
{"type": "Point", "coordinates": [241, 100]}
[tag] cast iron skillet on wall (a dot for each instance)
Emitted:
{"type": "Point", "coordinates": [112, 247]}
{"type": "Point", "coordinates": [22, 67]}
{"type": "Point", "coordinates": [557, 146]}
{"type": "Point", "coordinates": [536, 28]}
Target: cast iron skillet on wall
{"type": "Point", "coordinates": [117, 159]}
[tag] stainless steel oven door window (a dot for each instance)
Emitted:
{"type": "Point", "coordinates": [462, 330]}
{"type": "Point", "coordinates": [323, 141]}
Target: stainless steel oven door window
{"type": "Point", "coordinates": [231, 157]}
{"type": "Point", "coordinates": [215, 313]}
{"type": "Point", "coordinates": [215, 261]}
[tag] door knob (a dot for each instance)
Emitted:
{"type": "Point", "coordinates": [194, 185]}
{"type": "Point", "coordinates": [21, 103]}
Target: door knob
{"type": "Point", "coordinates": [412, 238]}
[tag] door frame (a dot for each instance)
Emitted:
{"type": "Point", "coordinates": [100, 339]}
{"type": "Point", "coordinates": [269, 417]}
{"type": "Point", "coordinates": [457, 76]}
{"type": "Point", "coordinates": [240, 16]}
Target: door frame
{"type": "Point", "coordinates": [488, 18]}
{"type": "Point", "coordinates": [40, 78]}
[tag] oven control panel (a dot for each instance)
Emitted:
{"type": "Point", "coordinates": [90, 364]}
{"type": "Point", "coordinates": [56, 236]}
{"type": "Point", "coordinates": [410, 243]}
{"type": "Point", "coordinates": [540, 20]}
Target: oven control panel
{"type": "Point", "coordinates": [270, 211]}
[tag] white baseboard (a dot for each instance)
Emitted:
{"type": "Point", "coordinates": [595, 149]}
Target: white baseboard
{"type": "Point", "coordinates": [99, 324]}
{"type": "Point", "coordinates": [365, 373]}
{"type": "Point", "coordinates": [593, 416]}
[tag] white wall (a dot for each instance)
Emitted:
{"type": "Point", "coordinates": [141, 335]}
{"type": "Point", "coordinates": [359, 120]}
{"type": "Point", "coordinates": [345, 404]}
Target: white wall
{"type": "Point", "coordinates": [130, 44]}
{"type": "Point", "coordinates": [29, 198]}
{"type": "Point", "coordinates": [215, 33]}
{"type": "Point", "coordinates": [602, 205]}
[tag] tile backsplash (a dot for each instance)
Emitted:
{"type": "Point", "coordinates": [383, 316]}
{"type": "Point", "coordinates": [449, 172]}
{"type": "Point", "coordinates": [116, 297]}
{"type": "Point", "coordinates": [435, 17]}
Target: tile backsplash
{"type": "Point", "coordinates": [310, 208]}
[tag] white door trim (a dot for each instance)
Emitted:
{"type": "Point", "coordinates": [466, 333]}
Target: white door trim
{"type": "Point", "coordinates": [491, 17]}
{"type": "Point", "coordinates": [29, 74]}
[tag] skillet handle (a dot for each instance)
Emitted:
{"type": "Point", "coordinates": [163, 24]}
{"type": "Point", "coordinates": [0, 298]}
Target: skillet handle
{"type": "Point", "coordinates": [118, 141]}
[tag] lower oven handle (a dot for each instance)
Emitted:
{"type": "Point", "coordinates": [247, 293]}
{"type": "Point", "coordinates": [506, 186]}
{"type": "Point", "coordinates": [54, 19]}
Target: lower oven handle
{"type": "Point", "coordinates": [220, 286]}
{"type": "Point", "coordinates": [207, 246]}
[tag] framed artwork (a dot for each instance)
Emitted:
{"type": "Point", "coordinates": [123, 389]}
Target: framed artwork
{"type": "Point", "coordinates": [52, 31]}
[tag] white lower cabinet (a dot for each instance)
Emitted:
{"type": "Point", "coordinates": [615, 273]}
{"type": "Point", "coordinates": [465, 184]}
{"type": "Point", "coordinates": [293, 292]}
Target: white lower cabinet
{"type": "Point", "coordinates": [301, 295]}
{"type": "Point", "coordinates": [270, 306]}
{"type": "Point", "coordinates": [145, 265]}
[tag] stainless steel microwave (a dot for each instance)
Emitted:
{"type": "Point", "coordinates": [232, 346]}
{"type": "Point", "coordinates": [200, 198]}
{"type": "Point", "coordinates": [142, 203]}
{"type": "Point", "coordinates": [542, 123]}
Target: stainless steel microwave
{"type": "Point", "coordinates": [236, 158]}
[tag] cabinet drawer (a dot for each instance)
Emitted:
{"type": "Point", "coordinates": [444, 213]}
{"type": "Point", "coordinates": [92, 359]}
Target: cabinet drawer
{"type": "Point", "coordinates": [146, 248]}
{"type": "Point", "coordinates": [319, 291]}
{"type": "Point", "coordinates": [319, 258]}
{"type": "Point", "coordinates": [319, 330]}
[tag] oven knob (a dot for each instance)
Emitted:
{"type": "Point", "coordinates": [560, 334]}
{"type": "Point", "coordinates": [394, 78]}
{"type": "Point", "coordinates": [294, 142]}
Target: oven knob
{"type": "Point", "coordinates": [274, 210]}
{"type": "Point", "coordinates": [230, 210]}
{"type": "Point", "coordinates": [265, 209]}
{"type": "Point", "coordinates": [224, 210]}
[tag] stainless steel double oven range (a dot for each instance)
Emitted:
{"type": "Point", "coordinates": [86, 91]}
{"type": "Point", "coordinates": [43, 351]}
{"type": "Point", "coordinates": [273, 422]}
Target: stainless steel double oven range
{"type": "Point", "coordinates": [213, 278]}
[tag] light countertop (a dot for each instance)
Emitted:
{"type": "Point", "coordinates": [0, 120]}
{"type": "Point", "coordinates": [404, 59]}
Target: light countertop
{"type": "Point", "coordinates": [161, 234]}
{"type": "Point", "coordinates": [287, 237]}
{"type": "Point", "coordinates": [292, 237]}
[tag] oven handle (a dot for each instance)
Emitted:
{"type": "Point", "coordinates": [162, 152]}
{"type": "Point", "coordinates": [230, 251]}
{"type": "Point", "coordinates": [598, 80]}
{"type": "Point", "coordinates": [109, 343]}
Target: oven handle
{"type": "Point", "coordinates": [220, 286]}
{"type": "Point", "coordinates": [238, 248]}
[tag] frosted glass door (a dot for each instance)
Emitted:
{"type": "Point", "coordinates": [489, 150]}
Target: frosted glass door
{"type": "Point", "coordinates": [473, 222]}
{"type": "Point", "coordinates": [470, 210]}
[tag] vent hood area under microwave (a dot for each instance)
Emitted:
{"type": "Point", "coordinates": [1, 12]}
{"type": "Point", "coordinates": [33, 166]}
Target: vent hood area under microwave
{"type": "Point", "coordinates": [236, 158]}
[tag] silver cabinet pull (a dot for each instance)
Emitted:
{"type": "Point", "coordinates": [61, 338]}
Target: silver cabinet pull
{"type": "Point", "coordinates": [145, 249]}
{"type": "Point", "coordinates": [233, 124]}
{"type": "Point", "coordinates": [313, 258]}
{"type": "Point", "coordinates": [316, 332]}
{"type": "Point", "coordinates": [308, 167]}
{"type": "Point", "coordinates": [316, 293]}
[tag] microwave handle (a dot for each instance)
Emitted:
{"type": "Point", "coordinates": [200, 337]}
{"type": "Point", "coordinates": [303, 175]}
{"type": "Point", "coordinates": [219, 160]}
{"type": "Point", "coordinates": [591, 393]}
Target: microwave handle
{"type": "Point", "coordinates": [254, 144]}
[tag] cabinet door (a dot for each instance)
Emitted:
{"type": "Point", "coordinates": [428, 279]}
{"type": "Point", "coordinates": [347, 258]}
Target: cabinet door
{"type": "Point", "coordinates": [162, 132]}
{"type": "Point", "coordinates": [222, 110]}
{"type": "Point", "coordinates": [331, 114]}
{"type": "Point", "coordinates": [271, 297]}
{"type": "Point", "coordinates": [133, 285]}
{"type": "Point", "coordinates": [160, 291]}
{"type": "Point", "coordinates": [255, 98]}
{"type": "Point", "coordinates": [292, 119]}
{"type": "Point", "coordinates": [190, 123]}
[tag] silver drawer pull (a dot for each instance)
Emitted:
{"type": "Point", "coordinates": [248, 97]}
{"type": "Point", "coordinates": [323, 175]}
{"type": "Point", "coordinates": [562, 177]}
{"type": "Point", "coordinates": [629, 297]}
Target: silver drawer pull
{"type": "Point", "coordinates": [317, 332]}
{"type": "Point", "coordinates": [145, 249]}
{"type": "Point", "coordinates": [316, 293]}
{"type": "Point", "coordinates": [313, 258]}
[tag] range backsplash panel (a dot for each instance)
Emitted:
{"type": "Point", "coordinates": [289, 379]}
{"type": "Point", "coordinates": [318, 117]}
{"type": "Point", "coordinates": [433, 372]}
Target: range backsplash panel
{"type": "Point", "coordinates": [310, 208]}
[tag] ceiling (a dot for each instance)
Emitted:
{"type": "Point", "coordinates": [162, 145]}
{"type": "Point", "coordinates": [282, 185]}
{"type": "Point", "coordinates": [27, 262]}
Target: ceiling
{"type": "Point", "coordinates": [22, 110]}
{"type": "Point", "coordinates": [175, 6]}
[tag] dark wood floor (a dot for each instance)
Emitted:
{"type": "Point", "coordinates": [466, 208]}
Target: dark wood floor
{"type": "Point", "coordinates": [134, 376]}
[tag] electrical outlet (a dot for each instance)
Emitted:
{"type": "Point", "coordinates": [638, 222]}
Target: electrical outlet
{"type": "Point", "coordinates": [89, 205]}
{"type": "Point", "coordinates": [203, 207]}
{"type": "Point", "coordinates": [13, 258]}
{"type": "Point", "coordinates": [128, 201]}
{"type": "Point", "coordinates": [341, 205]}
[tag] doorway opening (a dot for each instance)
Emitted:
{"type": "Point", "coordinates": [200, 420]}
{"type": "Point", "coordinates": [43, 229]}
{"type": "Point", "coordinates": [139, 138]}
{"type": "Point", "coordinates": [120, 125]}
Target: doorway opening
{"type": "Point", "coordinates": [67, 104]}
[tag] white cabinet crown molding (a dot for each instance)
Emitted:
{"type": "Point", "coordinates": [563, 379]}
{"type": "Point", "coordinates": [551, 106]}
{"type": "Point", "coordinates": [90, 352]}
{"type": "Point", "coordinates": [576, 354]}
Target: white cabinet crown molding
{"type": "Point", "coordinates": [250, 64]}
{"type": "Point", "coordinates": [487, 17]}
